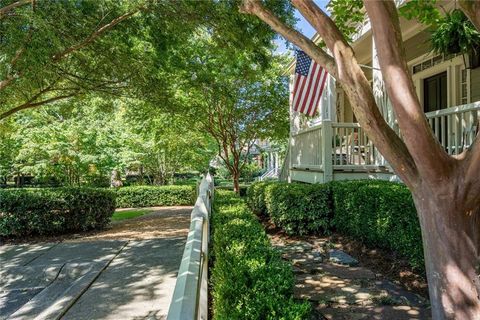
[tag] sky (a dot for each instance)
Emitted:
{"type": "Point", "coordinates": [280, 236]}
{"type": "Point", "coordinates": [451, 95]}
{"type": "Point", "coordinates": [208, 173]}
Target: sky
{"type": "Point", "coordinates": [302, 26]}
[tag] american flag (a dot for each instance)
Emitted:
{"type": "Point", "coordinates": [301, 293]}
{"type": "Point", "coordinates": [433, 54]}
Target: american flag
{"type": "Point", "coordinates": [309, 84]}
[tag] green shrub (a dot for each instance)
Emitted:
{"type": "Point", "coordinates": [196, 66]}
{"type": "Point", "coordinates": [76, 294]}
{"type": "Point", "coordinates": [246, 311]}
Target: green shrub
{"type": "Point", "coordinates": [249, 278]}
{"type": "Point", "coordinates": [151, 196]}
{"type": "Point", "coordinates": [256, 196]}
{"type": "Point", "coordinates": [299, 209]}
{"type": "Point", "coordinates": [54, 211]}
{"type": "Point", "coordinates": [243, 189]}
{"type": "Point", "coordinates": [381, 214]}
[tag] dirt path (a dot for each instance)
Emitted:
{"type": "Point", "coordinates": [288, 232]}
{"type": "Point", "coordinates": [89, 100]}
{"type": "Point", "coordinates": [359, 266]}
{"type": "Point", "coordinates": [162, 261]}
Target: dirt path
{"type": "Point", "coordinates": [342, 287]}
{"type": "Point", "coordinates": [160, 223]}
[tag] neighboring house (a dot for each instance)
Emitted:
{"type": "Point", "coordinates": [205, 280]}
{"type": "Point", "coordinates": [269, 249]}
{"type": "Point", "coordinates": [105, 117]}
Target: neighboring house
{"type": "Point", "coordinates": [332, 146]}
{"type": "Point", "coordinates": [268, 158]}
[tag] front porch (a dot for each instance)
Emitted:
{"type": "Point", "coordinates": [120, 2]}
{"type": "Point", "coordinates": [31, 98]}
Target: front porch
{"type": "Point", "coordinates": [331, 150]}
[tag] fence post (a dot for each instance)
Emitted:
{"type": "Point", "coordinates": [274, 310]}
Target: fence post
{"type": "Point", "coordinates": [327, 150]}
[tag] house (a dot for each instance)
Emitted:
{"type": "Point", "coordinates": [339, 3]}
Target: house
{"type": "Point", "coordinates": [333, 146]}
{"type": "Point", "coordinates": [267, 156]}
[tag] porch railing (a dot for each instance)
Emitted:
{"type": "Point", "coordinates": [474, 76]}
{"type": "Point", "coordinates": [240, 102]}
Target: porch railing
{"type": "Point", "coordinates": [306, 148]}
{"type": "Point", "coordinates": [190, 297]}
{"type": "Point", "coordinates": [330, 146]}
{"type": "Point", "coordinates": [456, 127]}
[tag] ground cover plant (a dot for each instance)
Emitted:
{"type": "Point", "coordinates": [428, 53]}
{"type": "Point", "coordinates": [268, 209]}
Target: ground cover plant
{"type": "Point", "coordinates": [128, 214]}
{"type": "Point", "coordinates": [249, 279]}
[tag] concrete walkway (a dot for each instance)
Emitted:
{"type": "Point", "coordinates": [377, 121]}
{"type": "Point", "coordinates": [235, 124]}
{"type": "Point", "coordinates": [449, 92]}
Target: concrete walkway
{"type": "Point", "coordinates": [125, 278]}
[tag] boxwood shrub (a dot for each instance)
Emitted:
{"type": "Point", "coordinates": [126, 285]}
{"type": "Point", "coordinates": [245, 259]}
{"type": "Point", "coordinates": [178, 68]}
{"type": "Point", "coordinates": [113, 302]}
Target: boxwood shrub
{"type": "Point", "coordinates": [151, 196]}
{"type": "Point", "coordinates": [54, 211]}
{"type": "Point", "coordinates": [249, 278]}
{"type": "Point", "coordinates": [381, 214]}
{"type": "Point", "coordinates": [256, 196]}
{"type": "Point", "coordinates": [299, 209]}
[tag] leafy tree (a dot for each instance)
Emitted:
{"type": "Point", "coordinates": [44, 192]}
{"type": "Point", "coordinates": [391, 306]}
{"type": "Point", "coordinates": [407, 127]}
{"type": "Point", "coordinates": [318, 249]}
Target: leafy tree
{"type": "Point", "coordinates": [235, 99]}
{"type": "Point", "coordinates": [446, 189]}
{"type": "Point", "coordinates": [162, 144]}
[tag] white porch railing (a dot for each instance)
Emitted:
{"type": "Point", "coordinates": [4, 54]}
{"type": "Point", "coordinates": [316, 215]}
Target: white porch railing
{"type": "Point", "coordinates": [190, 298]}
{"type": "Point", "coordinates": [331, 146]}
{"type": "Point", "coordinates": [352, 149]}
{"type": "Point", "coordinates": [456, 127]}
{"type": "Point", "coordinates": [306, 148]}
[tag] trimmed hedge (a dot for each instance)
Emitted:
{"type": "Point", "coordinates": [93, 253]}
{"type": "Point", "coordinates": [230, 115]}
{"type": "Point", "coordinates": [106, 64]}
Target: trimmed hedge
{"type": "Point", "coordinates": [379, 213]}
{"type": "Point", "coordinates": [152, 196]}
{"type": "Point", "coordinates": [256, 196]}
{"type": "Point", "coordinates": [299, 209]}
{"type": "Point", "coordinates": [249, 278]}
{"type": "Point", "coordinates": [54, 211]}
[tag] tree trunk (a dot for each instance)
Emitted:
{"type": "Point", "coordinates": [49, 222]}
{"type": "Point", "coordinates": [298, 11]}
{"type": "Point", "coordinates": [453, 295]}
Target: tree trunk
{"type": "Point", "coordinates": [451, 243]}
{"type": "Point", "coordinates": [236, 181]}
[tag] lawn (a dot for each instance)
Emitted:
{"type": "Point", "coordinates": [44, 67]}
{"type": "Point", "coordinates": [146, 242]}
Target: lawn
{"type": "Point", "coordinates": [129, 214]}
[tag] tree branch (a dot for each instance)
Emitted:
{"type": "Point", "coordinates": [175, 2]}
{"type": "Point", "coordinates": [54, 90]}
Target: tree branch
{"type": "Point", "coordinates": [430, 157]}
{"type": "Point", "coordinates": [5, 10]}
{"type": "Point", "coordinates": [471, 8]}
{"type": "Point", "coordinates": [256, 8]}
{"type": "Point", "coordinates": [93, 36]}
{"type": "Point", "coordinates": [29, 105]}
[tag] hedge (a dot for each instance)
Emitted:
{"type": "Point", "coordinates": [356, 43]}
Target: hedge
{"type": "Point", "coordinates": [249, 279]}
{"type": "Point", "coordinates": [54, 211]}
{"type": "Point", "coordinates": [151, 196]}
{"type": "Point", "coordinates": [379, 213]}
{"type": "Point", "coordinates": [299, 209]}
{"type": "Point", "coordinates": [256, 196]}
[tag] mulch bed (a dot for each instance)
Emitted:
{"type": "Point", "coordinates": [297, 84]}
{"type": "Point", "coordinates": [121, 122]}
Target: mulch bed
{"type": "Point", "coordinates": [383, 262]}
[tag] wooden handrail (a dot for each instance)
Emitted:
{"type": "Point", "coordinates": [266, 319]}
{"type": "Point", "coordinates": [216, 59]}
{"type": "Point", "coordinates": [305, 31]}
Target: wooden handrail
{"type": "Point", "coordinates": [454, 110]}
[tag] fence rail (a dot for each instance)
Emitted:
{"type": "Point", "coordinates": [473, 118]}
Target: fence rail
{"type": "Point", "coordinates": [190, 297]}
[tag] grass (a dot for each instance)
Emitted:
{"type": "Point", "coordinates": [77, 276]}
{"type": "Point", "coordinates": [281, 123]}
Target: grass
{"type": "Point", "coordinates": [129, 214]}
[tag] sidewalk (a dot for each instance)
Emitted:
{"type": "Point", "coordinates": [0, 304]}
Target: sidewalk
{"type": "Point", "coordinates": [125, 278]}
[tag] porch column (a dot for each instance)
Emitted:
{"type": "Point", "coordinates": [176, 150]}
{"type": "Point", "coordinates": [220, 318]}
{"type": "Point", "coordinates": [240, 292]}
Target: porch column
{"type": "Point", "coordinates": [328, 101]}
{"type": "Point", "coordinates": [294, 116]}
{"type": "Point", "coordinates": [326, 145]}
{"type": "Point", "coordinates": [381, 97]}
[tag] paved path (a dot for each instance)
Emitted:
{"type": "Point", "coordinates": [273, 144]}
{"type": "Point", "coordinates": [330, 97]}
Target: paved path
{"type": "Point", "coordinates": [340, 289]}
{"type": "Point", "coordinates": [96, 277]}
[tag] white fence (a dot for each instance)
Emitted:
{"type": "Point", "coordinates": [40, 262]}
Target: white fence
{"type": "Point", "coordinates": [190, 298]}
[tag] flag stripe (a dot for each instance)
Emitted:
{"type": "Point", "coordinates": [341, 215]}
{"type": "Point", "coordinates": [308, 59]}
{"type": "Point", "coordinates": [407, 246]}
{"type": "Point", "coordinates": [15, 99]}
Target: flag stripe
{"type": "Point", "coordinates": [315, 103]}
{"type": "Point", "coordinates": [308, 92]}
{"type": "Point", "coordinates": [315, 94]}
{"type": "Point", "coordinates": [300, 92]}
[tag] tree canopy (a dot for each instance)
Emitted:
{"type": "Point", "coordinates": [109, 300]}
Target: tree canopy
{"type": "Point", "coordinates": [87, 87]}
